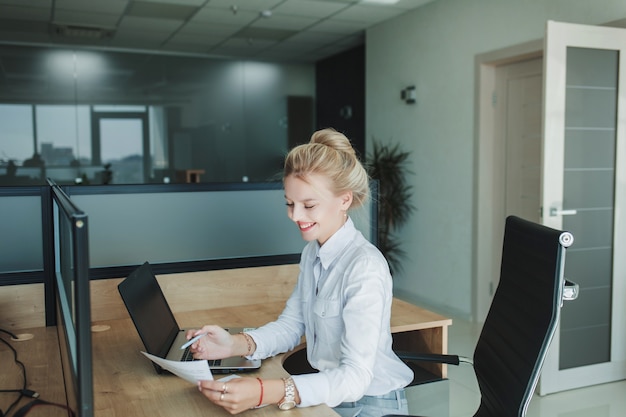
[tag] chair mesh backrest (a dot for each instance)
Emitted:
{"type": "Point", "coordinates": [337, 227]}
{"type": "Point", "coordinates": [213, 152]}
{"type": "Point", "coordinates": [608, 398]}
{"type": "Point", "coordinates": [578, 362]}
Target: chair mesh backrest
{"type": "Point", "coordinates": [521, 320]}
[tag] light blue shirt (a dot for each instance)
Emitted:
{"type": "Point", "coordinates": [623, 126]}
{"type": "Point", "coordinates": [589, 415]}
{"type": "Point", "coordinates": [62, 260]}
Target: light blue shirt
{"type": "Point", "coordinates": [346, 324]}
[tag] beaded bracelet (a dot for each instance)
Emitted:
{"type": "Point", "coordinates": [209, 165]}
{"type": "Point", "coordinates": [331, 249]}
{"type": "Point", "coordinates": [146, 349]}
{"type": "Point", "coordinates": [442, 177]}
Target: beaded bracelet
{"type": "Point", "coordinates": [249, 342]}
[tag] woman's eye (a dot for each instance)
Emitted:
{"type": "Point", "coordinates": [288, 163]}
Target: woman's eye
{"type": "Point", "coordinates": [305, 206]}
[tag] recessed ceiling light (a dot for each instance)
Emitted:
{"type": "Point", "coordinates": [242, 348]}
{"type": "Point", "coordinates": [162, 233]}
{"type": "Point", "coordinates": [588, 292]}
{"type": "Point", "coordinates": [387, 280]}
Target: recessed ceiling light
{"type": "Point", "coordinates": [85, 32]}
{"type": "Point", "coordinates": [380, 1]}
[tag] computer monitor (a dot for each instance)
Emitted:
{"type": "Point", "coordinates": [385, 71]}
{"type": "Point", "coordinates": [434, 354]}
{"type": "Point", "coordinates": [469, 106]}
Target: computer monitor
{"type": "Point", "coordinates": [71, 278]}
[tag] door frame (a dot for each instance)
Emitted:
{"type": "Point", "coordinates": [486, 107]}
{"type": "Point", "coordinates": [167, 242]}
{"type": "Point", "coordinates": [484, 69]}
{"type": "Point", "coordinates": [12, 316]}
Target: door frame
{"type": "Point", "coordinates": [488, 201]}
{"type": "Point", "coordinates": [96, 145]}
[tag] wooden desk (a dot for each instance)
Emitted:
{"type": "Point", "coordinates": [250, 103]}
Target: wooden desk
{"type": "Point", "coordinates": [125, 382]}
{"type": "Point", "coordinates": [416, 329]}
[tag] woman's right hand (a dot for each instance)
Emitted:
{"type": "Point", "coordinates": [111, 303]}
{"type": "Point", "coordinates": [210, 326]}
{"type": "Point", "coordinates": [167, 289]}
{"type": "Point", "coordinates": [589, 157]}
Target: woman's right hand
{"type": "Point", "coordinates": [216, 344]}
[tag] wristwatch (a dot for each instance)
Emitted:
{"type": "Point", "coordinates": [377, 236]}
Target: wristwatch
{"type": "Point", "coordinates": [289, 400]}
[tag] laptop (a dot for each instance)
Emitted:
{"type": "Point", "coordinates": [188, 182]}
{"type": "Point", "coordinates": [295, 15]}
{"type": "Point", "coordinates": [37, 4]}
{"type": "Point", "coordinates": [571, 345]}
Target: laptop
{"type": "Point", "coordinates": [158, 328]}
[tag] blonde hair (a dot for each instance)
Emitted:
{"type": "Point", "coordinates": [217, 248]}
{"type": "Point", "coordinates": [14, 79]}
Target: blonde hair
{"type": "Point", "coordinates": [329, 153]}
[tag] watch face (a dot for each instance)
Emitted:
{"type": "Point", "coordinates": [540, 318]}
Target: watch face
{"type": "Point", "coordinates": [287, 405]}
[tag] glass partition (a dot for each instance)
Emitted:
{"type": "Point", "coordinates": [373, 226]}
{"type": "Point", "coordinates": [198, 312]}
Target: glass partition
{"type": "Point", "coordinates": [242, 224]}
{"type": "Point", "coordinates": [187, 226]}
{"type": "Point", "coordinates": [107, 117]}
{"type": "Point", "coordinates": [21, 248]}
{"type": "Point", "coordinates": [205, 223]}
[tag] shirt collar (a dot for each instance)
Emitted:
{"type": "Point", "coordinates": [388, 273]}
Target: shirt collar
{"type": "Point", "coordinates": [336, 243]}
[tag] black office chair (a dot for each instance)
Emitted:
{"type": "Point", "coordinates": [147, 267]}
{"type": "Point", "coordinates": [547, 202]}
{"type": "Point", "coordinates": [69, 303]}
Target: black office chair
{"type": "Point", "coordinates": [521, 321]}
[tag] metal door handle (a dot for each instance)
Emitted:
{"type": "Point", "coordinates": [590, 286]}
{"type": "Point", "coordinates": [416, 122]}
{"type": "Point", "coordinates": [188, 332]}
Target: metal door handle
{"type": "Point", "coordinates": [556, 212]}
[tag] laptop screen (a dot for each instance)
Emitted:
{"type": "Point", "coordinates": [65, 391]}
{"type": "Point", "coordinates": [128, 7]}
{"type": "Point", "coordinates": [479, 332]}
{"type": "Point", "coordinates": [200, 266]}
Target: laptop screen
{"type": "Point", "coordinates": [149, 310]}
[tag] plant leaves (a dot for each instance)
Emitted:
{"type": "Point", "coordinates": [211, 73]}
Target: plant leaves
{"type": "Point", "coordinates": [389, 165]}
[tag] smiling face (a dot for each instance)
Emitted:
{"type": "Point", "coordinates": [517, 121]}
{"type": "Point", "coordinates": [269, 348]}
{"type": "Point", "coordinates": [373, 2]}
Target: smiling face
{"type": "Point", "coordinates": [314, 207]}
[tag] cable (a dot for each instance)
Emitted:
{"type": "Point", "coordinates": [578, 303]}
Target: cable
{"type": "Point", "coordinates": [23, 390]}
{"type": "Point", "coordinates": [37, 402]}
{"type": "Point", "coordinates": [9, 333]}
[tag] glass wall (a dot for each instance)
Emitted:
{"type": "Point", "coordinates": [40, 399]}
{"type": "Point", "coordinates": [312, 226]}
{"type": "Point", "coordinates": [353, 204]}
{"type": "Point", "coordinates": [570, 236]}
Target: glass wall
{"type": "Point", "coordinates": [105, 117]}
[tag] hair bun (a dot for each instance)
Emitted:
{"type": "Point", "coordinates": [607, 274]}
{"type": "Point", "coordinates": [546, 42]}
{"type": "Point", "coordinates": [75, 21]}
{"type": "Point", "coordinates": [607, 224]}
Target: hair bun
{"type": "Point", "coordinates": [332, 138]}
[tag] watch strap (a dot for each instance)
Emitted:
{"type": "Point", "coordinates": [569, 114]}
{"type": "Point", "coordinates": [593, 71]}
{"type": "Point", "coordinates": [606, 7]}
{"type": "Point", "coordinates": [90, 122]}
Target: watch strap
{"type": "Point", "coordinates": [289, 400]}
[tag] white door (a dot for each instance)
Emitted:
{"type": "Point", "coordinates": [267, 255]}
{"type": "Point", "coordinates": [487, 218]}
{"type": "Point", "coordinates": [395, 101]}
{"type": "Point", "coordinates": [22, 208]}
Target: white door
{"type": "Point", "coordinates": [522, 139]}
{"type": "Point", "coordinates": [584, 192]}
{"type": "Point", "coordinates": [508, 162]}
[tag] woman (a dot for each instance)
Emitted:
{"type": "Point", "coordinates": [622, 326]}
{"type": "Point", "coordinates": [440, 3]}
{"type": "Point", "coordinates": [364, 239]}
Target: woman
{"type": "Point", "coordinates": [341, 302]}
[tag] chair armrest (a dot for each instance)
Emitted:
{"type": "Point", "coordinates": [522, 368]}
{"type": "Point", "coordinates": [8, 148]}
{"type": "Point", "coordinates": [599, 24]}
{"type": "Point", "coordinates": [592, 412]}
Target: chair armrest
{"type": "Point", "coordinates": [432, 357]}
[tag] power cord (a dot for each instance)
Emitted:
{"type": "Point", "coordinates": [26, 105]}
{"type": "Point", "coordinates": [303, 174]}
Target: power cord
{"type": "Point", "coordinates": [37, 402]}
{"type": "Point", "coordinates": [21, 365]}
{"type": "Point", "coordinates": [24, 392]}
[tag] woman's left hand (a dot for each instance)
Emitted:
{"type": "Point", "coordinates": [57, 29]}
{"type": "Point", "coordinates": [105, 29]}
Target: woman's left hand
{"type": "Point", "coordinates": [235, 395]}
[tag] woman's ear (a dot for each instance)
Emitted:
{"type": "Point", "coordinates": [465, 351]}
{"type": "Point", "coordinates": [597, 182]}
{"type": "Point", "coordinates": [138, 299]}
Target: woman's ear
{"type": "Point", "coordinates": [346, 200]}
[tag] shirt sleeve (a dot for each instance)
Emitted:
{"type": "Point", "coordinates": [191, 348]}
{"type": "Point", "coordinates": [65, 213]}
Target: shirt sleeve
{"type": "Point", "coordinates": [281, 335]}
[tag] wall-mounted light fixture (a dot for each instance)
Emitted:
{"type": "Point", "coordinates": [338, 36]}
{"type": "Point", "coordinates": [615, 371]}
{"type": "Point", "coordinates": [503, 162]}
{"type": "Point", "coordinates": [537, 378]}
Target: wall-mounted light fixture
{"type": "Point", "coordinates": [346, 112]}
{"type": "Point", "coordinates": [409, 95]}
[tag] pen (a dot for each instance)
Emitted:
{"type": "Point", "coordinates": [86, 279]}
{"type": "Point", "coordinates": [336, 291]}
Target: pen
{"type": "Point", "coordinates": [192, 341]}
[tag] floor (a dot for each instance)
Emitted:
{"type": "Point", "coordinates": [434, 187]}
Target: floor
{"type": "Point", "coordinates": [459, 396]}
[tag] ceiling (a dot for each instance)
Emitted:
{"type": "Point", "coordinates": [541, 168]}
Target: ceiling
{"type": "Point", "coordinates": [274, 30]}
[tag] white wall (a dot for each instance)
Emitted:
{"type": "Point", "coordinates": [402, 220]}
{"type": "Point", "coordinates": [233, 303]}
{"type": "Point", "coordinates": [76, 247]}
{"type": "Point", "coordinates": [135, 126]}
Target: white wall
{"type": "Point", "coordinates": [434, 48]}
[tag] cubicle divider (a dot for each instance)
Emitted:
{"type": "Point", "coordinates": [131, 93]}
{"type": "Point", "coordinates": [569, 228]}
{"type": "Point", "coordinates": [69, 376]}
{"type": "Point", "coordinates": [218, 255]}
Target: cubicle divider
{"type": "Point", "coordinates": [71, 292]}
{"type": "Point", "coordinates": [187, 227]}
{"type": "Point", "coordinates": [21, 230]}
{"type": "Point", "coordinates": [176, 227]}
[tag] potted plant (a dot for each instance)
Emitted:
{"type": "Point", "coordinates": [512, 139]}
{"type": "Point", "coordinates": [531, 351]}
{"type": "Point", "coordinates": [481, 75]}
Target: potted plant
{"type": "Point", "coordinates": [389, 165]}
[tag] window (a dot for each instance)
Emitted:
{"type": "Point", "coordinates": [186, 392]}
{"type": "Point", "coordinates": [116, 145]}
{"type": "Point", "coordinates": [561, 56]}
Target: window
{"type": "Point", "coordinates": [64, 135]}
{"type": "Point", "coordinates": [16, 131]}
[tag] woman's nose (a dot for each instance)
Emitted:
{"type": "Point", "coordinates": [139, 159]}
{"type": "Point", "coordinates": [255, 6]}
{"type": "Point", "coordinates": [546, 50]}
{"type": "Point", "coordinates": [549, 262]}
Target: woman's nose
{"type": "Point", "coordinates": [295, 213]}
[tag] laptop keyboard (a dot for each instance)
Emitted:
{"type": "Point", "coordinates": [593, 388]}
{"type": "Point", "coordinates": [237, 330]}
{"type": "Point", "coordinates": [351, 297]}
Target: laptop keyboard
{"type": "Point", "coordinates": [188, 356]}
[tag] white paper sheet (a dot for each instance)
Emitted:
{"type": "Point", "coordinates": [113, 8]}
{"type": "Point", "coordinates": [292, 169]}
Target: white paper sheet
{"type": "Point", "coordinates": [192, 371]}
